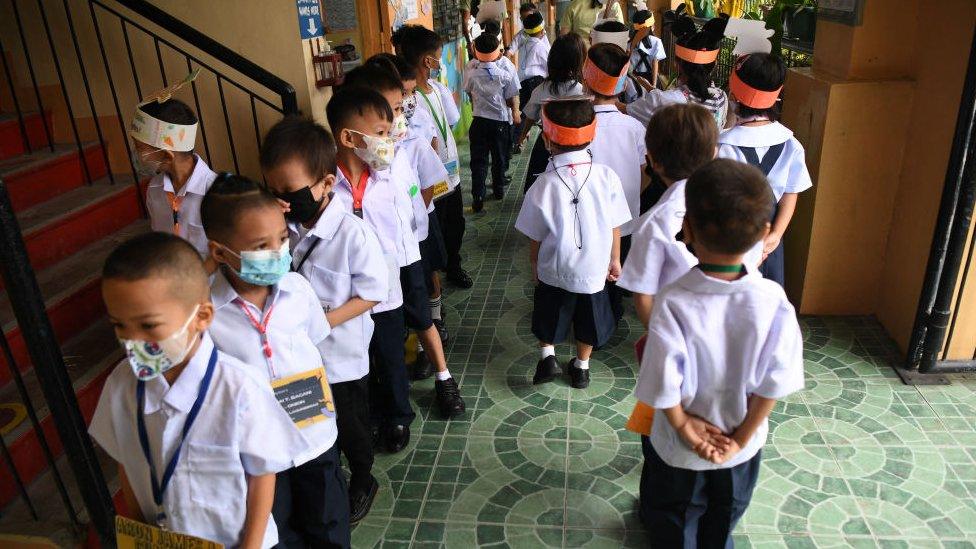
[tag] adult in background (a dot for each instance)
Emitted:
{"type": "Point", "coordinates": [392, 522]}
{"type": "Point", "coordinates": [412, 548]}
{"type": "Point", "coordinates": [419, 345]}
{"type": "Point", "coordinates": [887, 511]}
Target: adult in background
{"type": "Point", "coordinates": [581, 16]}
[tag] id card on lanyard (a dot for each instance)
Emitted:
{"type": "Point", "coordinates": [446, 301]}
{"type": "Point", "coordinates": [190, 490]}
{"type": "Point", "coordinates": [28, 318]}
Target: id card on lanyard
{"type": "Point", "coordinates": [159, 485]}
{"type": "Point", "coordinates": [451, 165]}
{"type": "Point", "coordinates": [306, 396]}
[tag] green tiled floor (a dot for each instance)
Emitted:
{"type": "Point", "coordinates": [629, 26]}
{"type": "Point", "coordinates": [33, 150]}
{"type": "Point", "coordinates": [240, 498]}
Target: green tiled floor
{"type": "Point", "coordinates": [857, 459]}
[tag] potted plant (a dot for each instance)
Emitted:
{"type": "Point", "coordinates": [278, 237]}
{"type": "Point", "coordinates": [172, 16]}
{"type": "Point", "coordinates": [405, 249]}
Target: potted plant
{"type": "Point", "coordinates": [800, 20]}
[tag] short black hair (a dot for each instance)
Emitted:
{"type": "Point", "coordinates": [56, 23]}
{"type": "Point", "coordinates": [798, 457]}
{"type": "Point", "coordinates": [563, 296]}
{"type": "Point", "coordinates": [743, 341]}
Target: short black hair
{"type": "Point", "coordinates": [610, 26]}
{"type": "Point", "coordinates": [765, 72]}
{"type": "Point", "coordinates": [394, 63]}
{"type": "Point", "coordinates": [609, 58]}
{"type": "Point", "coordinates": [728, 205]}
{"type": "Point", "coordinates": [681, 138]}
{"type": "Point", "coordinates": [374, 77]}
{"type": "Point", "coordinates": [491, 27]}
{"type": "Point", "coordinates": [164, 255]}
{"type": "Point", "coordinates": [350, 101]}
{"type": "Point", "coordinates": [532, 20]}
{"type": "Point", "coordinates": [486, 43]}
{"type": "Point", "coordinates": [173, 111]}
{"type": "Point", "coordinates": [528, 6]}
{"type": "Point", "coordinates": [570, 114]}
{"type": "Point", "coordinates": [414, 42]}
{"type": "Point", "coordinates": [228, 197]}
{"type": "Point", "coordinates": [641, 16]}
{"type": "Point", "coordinates": [302, 138]}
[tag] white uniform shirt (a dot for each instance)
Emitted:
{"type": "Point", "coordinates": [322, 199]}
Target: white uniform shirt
{"type": "Point", "coordinates": [346, 262]}
{"type": "Point", "coordinates": [161, 212]}
{"type": "Point", "coordinates": [657, 258]}
{"type": "Point", "coordinates": [543, 92]}
{"type": "Point", "coordinates": [426, 167]}
{"type": "Point", "coordinates": [240, 430]}
{"type": "Point", "coordinates": [387, 209]}
{"type": "Point", "coordinates": [645, 106]}
{"type": "Point", "coordinates": [710, 345]}
{"type": "Point", "coordinates": [576, 240]}
{"type": "Point", "coordinates": [297, 324]}
{"type": "Point", "coordinates": [789, 173]}
{"type": "Point", "coordinates": [421, 124]}
{"type": "Point", "coordinates": [443, 117]}
{"type": "Point", "coordinates": [490, 86]}
{"type": "Point", "coordinates": [619, 144]}
{"type": "Point", "coordinates": [654, 51]}
{"type": "Point", "coordinates": [533, 55]}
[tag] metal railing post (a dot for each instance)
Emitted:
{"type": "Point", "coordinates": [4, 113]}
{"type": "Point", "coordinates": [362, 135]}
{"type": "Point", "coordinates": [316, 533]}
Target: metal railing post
{"type": "Point", "coordinates": [45, 352]}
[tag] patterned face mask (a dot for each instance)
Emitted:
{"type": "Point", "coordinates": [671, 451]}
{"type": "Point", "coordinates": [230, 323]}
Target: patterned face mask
{"type": "Point", "coordinates": [378, 152]}
{"type": "Point", "coordinates": [410, 106]}
{"type": "Point", "coordinates": [399, 129]}
{"type": "Point", "coordinates": [150, 359]}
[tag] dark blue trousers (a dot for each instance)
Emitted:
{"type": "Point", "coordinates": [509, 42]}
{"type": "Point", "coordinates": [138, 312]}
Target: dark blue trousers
{"type": "Point", "coordinates": [689, 509]}
{"type": "Point", "coordinates": [389, 387]}
{"type": "Point", "coordinates": [489, 141]}
{"type": "Point", "coordinates": [311, 504]}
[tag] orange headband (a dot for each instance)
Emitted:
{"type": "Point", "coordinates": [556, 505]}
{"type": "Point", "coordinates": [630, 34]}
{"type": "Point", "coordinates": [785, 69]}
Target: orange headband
{"type": "Point", "coordinates": [751, 97]}
{"type": "Point", "coordinates": [698, 57]}
{"type": "Point", "coordinates": [601, 82]}
{"type": "Point", "coordinates": [487, 57]}
{"type": "Point", "coordinates": [567, 137]}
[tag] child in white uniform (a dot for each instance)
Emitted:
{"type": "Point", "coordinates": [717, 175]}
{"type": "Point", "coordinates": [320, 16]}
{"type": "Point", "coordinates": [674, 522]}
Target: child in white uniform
{"type": "Point", "coordinates": [532, 47]}
{"type": "Point", "coordinates": [648, 50]}
{"type": "Point", "coordinates": [572, 214]}
{"type": "Point", "coordinates": [759, 139]}
{"type": "Point", "coordinates": [696, 52]}
{"type": "Point", "coordinates": [270, 319]}
{"type": "Point", "coordinates": [494, 96]}
{"type": "Point", "coordinates": [679, 139]}
{"type": "Point", "coordinates": [168, 406]}
{"type": "Point", "coordinates": [342, 259]}
{"type": "Point", "coordinates": [163, 134]}
{"type": "Point", "coordinates": [421, 48]}
{"type": "Point", "coordinates": [723, 346]}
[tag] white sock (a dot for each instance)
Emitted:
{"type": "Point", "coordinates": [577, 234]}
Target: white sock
{"type": "Point", "coordinates": [582, 364]}
{"type": "Point", "coordinates": [547, 351]}
{"type": "Point", "coordinates": [435, 308]}
{"type": "Point", "coordinates": [420, 347]}
{"type": "Point", "coordinates": [443, 376]}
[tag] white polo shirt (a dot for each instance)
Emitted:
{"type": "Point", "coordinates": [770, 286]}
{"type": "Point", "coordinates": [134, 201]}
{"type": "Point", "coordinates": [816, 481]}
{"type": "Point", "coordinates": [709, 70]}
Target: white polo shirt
{"type": "Point", "coordinates": [710, 345]}
{"type": "Point", "coordinates": [619, 144]}
{"type": "Point", "coordinates": [575, 239]}
{"type": "Point", "coordinates": [657, 258]}
{"type": "Point", "coordinates": [544, 92]}
{"type": "Point", "coordinates": [161, 212]}
{"type": "Point", "coordinates": [296, 325]}
{"type": "Point", "coordinates": [430, 172]}
{"type": "Point", "coordinates": [490, 85]}
{"type": "Point", "coordinates": [240, 430]}
{"type": "Point", "coordinates": [443, 114]}
{"type": "Point", "coordinates": [533, 55]}
{"type": "Point", "coordinates": [789, 173]}
{"type": "Point", "coordinates": [345, 262]}
{"type": "Point", "coordinates": [645, 106]}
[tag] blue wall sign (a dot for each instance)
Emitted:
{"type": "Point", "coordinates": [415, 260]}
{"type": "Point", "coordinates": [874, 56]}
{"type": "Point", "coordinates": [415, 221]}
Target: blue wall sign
{"type": "Point", "coordinates": [309, 19]}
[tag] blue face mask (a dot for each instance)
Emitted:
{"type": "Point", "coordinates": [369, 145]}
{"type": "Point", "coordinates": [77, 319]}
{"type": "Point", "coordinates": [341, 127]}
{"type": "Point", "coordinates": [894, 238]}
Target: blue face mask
{"type": "Point", "coordinates": [263, 267]}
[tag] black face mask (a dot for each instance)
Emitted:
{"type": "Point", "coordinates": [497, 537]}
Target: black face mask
{"type": "Point", "coordinates": [302, 205]}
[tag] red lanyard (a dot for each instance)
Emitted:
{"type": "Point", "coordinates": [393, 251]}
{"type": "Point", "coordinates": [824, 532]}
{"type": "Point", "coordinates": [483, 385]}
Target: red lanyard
{"type": "Point", "coordinates": [262, 328]}
{"type": "Point", "coordinates": [358, 192]}
{"type": "Point", "coordinates": [175, 202]}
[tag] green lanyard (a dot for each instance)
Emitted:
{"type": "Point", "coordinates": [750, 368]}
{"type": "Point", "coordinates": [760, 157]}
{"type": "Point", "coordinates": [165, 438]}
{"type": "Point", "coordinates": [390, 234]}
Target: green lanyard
{"type": "Point", "coordinates": [725, 269]}
{"type": "Point", "coordinates": [437, 119]}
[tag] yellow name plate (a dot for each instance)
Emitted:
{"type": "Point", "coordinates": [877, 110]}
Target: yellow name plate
{"type": "Point", "coordinates": [306, 397]}
{"type": "Point", "coordinates": [130, 534]}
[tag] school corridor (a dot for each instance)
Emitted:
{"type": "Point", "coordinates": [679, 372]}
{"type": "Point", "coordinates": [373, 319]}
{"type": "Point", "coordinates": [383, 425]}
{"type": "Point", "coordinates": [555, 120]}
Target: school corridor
{"type": "Point", "coordinates": [857, 459]}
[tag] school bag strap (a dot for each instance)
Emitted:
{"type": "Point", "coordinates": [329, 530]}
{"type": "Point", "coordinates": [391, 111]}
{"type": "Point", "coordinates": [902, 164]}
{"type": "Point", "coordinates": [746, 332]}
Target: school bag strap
{"type": "Point", "coordinates": [768, 161]}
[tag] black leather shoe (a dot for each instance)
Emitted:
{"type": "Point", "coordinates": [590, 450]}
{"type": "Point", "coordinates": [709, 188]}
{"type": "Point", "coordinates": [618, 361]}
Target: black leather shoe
{"type": "Point", "coordinates": [498, 195]}
{"type": "Point", "coordinates": [546, 370]}
{"type": "Point", "coordinates": [422, 368]}
{"type": "Point", "coordinates": [360, 500]}
{"type": "Point", "coordinates": [396, 437]}
{"type": "Point", "coordinates": [459, 277]}
{"type": "Point", "coordinates": [578, 377]}
{"type": "Point", "coordinates": [517, 150]}
{"type": "Point", "coordinates": [508, 181]}
{"type": "Point", "coordinates": [477, 205]}
{"type": "Point", "coordinates": [449, 399]}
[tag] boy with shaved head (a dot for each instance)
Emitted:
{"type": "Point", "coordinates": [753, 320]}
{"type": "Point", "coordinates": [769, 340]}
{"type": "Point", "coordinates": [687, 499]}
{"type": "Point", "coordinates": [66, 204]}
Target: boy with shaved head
{"type": "Point", "coordinates": [197, 438]}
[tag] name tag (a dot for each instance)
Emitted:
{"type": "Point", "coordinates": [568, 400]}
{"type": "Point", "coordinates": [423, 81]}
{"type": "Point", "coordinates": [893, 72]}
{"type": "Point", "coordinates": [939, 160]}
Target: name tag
{"type": "Point", "coordinates": [451, 166]}
{"type": "Point", "coordinates": [440, 189]}
{"type": "Point", "coordinates": [306, 397]}
{"type": "Point", "coordinates": [130, 534]}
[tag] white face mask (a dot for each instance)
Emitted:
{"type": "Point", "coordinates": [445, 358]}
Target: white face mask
{"type": "Point", "coordinates": [399, 129]}
{"type": "Point", "coordinates": [150, 359]}
{"type": "Point", "coordinates": [145, 167]}
{"type": "Point", "coordinates": [378, 153]}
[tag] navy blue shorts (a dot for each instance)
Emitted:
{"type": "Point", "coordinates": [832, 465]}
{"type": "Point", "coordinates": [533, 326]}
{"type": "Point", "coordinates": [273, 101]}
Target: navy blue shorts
{"type": "Point", "coordinates": [416, 306]}
{"type": "Point", "coordinates": [433, 253]}
{"type": "Point", "coordinates": [556, 310]}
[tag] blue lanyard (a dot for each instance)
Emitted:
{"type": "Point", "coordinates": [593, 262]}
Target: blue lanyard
{"type": "Point", "coordinates": [159, 488]}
